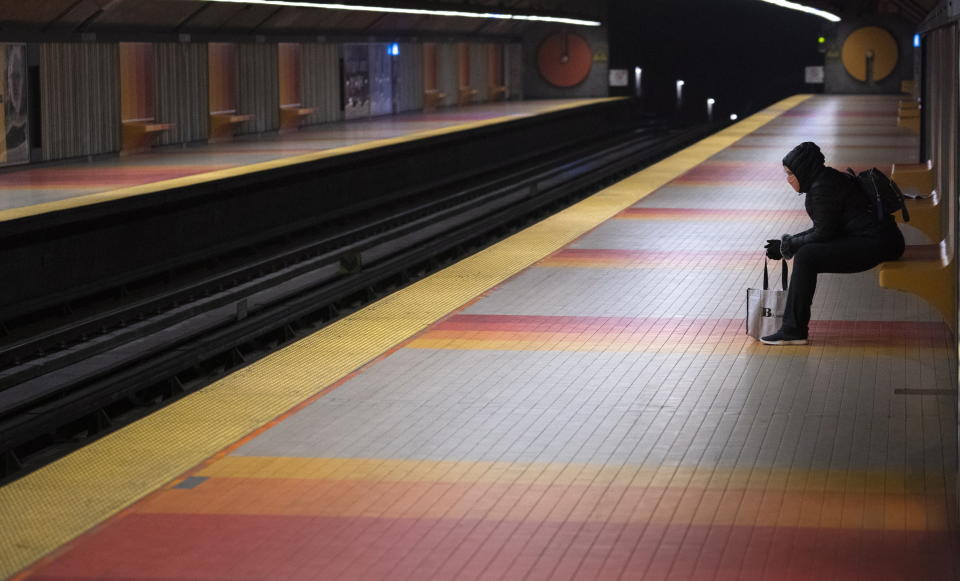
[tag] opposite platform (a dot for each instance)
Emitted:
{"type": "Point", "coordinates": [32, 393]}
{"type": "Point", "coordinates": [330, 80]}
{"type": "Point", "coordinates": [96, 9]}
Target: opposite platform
{"type": "Point", "coordinates": [28, 191]}
{"type": "Point", "coordinates": [598, 415]}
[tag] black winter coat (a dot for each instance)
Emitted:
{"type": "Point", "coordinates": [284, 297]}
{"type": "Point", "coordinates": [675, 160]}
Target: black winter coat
{"type": "Point", "coordinates": [839, 210]}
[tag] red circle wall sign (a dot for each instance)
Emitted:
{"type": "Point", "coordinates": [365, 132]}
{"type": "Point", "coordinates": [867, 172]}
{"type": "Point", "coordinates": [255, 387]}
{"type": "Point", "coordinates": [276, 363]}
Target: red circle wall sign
{"type": "Point", "coordinates": [564, 59]}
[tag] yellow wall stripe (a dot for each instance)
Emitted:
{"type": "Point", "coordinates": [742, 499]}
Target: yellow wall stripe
{"type": "Point", "coordinates": [43, 510]}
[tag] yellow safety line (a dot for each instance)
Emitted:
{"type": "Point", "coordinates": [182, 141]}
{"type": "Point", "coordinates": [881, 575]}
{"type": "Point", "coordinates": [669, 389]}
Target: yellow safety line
{"type": "Point", "coordinates": [206, 177]}
{"type": "Point", "coordinates": [51, 506]}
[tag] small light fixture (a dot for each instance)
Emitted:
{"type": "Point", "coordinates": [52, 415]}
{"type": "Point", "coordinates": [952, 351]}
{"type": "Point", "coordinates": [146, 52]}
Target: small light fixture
{"type": "Point", "coordinates": [637, 76]}
{"type": "Point", "coordinates": [733, 117]}
{"type": "Point", "coordinates": [821, 40]}
{"type": "Point", "coordinates": [393, 49]}
{"type": "Point", "coordinates": [916, 40]}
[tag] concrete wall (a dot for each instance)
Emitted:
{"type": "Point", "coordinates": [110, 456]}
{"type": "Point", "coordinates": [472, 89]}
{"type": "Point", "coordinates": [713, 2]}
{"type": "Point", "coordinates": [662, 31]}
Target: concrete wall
{"type": "Point", "coordinates": [836, 78]}
{"type": "Point", "coordinates": [594, 85]}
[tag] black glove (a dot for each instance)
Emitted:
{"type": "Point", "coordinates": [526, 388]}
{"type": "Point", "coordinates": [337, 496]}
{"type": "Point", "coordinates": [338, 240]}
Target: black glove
{"type": "Point", "coordinates": [773, 250]}
{"type": "Point", "coordinates": [787, 248]}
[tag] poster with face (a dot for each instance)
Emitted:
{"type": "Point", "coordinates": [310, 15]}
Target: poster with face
{"type": "Point", "coordinates": [15, 145]}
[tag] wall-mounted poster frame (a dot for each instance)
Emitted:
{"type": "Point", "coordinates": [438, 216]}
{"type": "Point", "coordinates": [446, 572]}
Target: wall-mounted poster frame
{"type": "Point", "coordinates": [15, 146]}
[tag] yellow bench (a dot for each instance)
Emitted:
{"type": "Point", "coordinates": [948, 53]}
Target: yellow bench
{"type": "Point", "coordinates": [928, 272]}
{"type": "Point", "coordinates": [292, 115]}
{"type": "Point", "coordinates": [223, 125]}
{"type": "Point", "coordinates": [911, 124]}
{"type": "Point", "coordinates": [908, 115]}
{"type": "Point", "coordinates": [914, 178]}
{"type": "Point", "coordinates": [917, 179]}
{"type": "Point", "coordinates": [906, 87]}
{"type": "Point", "coordinates": [139, 134]}
{"type": "Point", "coordinates": [925, 215]}
{"type": "Point", "coordinates": [908, 105]}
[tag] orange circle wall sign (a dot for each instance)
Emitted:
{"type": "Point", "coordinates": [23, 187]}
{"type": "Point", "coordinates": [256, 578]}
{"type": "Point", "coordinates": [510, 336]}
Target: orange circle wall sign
{"type": "Point", "coordinates": [872, 50]}
{"type": "Point", "coordinates": [564, 59]}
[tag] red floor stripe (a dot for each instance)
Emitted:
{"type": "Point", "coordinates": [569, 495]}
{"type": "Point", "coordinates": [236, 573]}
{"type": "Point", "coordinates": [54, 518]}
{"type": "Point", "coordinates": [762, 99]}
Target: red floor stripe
{"type": "Point", "coordinates": [232, 547]}
{"type": "Point", "coordinates": [709, 214]}
{"type": "Point", "coordinates": [885, 333]}
{"type": "Point", "coordinates": [111, 177]}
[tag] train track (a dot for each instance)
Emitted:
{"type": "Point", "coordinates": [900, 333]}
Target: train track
{"type": "Point", "coordinates": [101, 363]}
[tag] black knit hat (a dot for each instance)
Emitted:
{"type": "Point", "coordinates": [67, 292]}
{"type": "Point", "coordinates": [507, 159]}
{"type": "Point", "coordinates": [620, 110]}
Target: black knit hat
{"type": "Point", "coordinates": [805, 161]}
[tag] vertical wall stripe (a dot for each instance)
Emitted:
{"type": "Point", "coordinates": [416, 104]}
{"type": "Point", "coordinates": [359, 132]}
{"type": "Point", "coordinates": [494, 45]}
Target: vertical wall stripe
{"type": "Point", "coordinates": [79, 99]}
{"type": "Point", "coordinates": [258, 87]}
{"type": "Point", "coordinates": [513, 75]}
{"type": "Point", "coordinates": [137, 81]}
{"type": "Point", "coordinates": [381, 80]}
{"type": "Point", "coordinates": [447, 70]}
{"type": "Point", "coordinates": [182, 86]}
{"type": "Point", "coordinates": [320, 82]}
{"type": "Point", "coordinates": [478, 72]}
{"type": "Point", "coordinates": [410, 78]}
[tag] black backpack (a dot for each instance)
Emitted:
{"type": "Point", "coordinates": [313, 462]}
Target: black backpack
{"type": "Point", "coordinates": [883, 195]}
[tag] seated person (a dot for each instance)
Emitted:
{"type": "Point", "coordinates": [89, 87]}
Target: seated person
{"type": "Point", "coordinates": [846, 237]}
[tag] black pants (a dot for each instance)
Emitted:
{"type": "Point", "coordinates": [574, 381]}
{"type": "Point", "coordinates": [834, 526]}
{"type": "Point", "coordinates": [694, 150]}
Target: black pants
{"type": "Point", "coordinates": [840, 255]}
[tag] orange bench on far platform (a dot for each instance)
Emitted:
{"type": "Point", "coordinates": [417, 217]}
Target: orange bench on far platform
{"type": "Point", "coordinates": [138, 135]}
{"type": "Point", "coordinates": [432, 98]}
{"type": "Point", "coordinates": [292, 115]}
{"type": "Point", "coordinates": [223, 124]}
{"type": "Point", "coordinates": [467, 95]}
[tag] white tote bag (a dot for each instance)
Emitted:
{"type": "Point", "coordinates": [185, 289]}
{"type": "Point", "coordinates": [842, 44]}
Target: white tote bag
{"type": "Point", "coordinates": [765, 306]}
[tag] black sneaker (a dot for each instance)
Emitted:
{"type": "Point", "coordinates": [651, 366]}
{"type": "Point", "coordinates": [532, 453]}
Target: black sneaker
{"type": "Point", "coordinates": [782, 338]}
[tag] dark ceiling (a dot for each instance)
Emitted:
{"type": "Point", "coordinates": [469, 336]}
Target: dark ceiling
{"type": "Point", "coordinates": [200, 16]}
{"type": "Point", "coordinates": [33, 17]}
{"type": "Point", "coordinates": [912, 11]}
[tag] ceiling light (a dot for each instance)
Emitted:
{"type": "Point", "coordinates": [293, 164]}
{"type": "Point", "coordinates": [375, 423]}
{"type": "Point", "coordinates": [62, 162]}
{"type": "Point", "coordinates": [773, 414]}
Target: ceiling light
{"type": "Point", "coordinates": [802, 8]}
{"type": "Point", "coordinates": [390, 9]}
